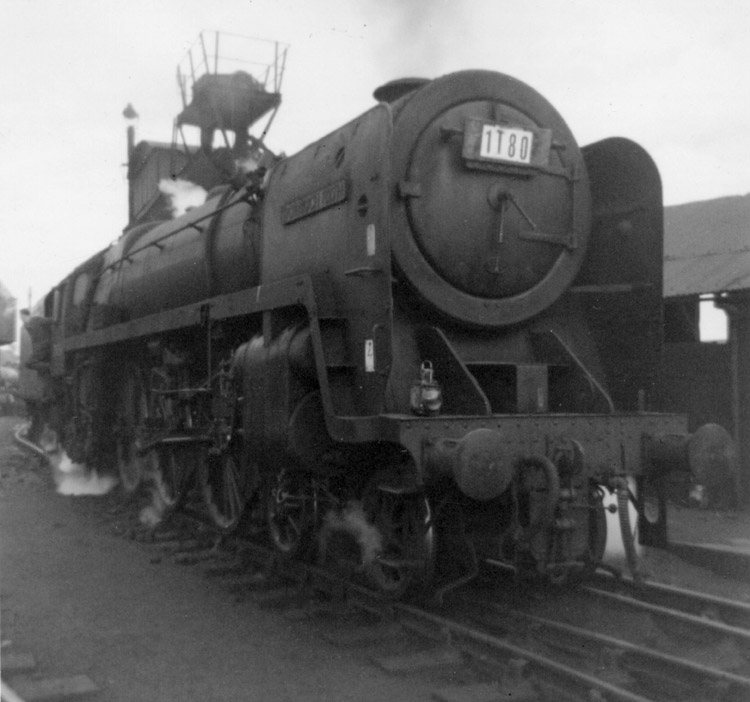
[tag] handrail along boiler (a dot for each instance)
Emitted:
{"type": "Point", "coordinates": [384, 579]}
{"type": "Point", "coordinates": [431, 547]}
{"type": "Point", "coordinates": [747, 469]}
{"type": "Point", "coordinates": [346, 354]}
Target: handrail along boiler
{"type": "Point", "coordinates": [444, 313]}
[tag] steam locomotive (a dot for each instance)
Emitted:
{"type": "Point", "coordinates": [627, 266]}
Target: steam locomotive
{"type": "Point", "coordinates": [444, 315]}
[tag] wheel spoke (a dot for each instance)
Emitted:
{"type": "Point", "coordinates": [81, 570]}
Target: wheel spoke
{"type": "Point", "coordinates": [174, 470]}
{"type": "Point", "coordinates": [290, 514]}
{"type": "Point", "coordinates": [231, 490]}
{"type": "Point", "coordinates": [131, 403]}
{"type": "Point", "coordinates": [293, 525]}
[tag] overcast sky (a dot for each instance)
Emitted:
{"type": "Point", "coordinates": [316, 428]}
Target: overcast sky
{"type": "Point", "coordinates": [670, 74]}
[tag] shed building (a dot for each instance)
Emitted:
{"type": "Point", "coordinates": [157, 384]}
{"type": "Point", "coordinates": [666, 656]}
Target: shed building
{"type": "Point", "coordinates": [707, 256]}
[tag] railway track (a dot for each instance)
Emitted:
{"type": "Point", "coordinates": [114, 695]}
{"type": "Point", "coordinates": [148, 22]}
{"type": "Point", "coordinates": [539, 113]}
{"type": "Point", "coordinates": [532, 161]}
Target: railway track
{"type": "Point", "coordinates": [699, 604]}
{"type": "Point", "coordinates": [508, 646]}
{"type": "Point", "coordinates": [612, 639]}
{"type": "Point", "coordinates": [664, 663]}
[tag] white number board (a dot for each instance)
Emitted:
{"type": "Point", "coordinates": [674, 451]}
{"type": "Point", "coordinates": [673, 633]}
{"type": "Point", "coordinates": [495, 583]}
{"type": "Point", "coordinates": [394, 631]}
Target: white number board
{"type": "Point", "coordinates": [506, 144]}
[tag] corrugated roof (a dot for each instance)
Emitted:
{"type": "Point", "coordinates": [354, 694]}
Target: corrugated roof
{"type": "Point", "coordinates": [707, 246]}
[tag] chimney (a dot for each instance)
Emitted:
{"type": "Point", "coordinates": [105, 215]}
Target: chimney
{"type": "Point", "coordinates": [131, 116]}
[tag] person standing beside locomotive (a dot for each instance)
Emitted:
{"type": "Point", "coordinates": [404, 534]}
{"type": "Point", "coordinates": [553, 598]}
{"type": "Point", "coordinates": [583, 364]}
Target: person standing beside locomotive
{"type": "Point", "coordinates": [35, 386]}
{"type": "Point", "coordinates": [40, 334]}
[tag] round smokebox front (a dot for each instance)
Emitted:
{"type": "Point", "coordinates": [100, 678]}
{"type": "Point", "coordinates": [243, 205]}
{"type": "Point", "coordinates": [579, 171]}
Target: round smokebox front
{"type": "Point", "coordinates": [498, 219]}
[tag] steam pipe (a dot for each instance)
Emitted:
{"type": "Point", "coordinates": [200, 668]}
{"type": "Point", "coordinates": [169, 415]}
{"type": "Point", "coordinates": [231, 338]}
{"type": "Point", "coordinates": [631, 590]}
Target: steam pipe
{"type": "Point", "coordinates": [622, 490]}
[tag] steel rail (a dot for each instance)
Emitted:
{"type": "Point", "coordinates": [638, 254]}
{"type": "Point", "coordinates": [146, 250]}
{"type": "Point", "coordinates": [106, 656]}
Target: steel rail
{"type": "Point", "coordinates": [681, 665]}
{"type": "Point", "coordinates": [737, 633]}
{"type": "Point", "coordinates": [735, 612]}
{"type": "Point", "coordinates": [372, 602]}
{"type": "Point", "coordinates": [542, 664]}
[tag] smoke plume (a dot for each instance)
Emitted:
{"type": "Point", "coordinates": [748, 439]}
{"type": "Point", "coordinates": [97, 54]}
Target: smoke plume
{"type": "Point", "coordinates": [249, 163]}
{"type": "Point", "coordinates": [183, 194]}
{"type": "Point", "coordinates": [152, 514]}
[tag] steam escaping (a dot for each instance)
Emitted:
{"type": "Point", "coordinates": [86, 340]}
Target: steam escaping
{"type": "Point", "coordinates": [76, 478]}
{"type": "Point", "coordinates": [48, 441]}
{"type": "Point", "coordinates": [152, 514]}
{"type": "Point", "coordinates": [352, 520]}
{"type": "Point", "coordinates": [248, 164]}
{"type": "Point", "coordinates": [183, 194]}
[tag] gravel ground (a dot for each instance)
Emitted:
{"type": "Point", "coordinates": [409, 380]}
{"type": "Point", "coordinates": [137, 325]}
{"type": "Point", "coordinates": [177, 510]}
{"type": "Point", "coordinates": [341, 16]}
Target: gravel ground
{"type": "Point", "coordinates": [689, 525]}
{"type": "Point", "coordinates": [84, 601]}
{"type": "Point", "coordinates": [707, 527]}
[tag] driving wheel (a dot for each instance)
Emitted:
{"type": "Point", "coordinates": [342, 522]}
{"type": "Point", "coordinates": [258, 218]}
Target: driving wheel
{"type": "Point", "coordinates": [131, 413]}
{"type": "Point", "coordinates": [174, 473]}
{"type": "Point", "coordinates": [221, 486]}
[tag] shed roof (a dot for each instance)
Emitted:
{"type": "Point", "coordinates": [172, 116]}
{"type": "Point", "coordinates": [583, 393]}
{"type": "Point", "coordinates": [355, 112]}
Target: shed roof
{"type": "Point", "coordinates": [707, 246]}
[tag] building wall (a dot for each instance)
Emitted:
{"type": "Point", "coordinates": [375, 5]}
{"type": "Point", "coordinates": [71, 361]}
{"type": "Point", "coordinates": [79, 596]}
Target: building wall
{"type": "Point", "coordinates": [696, 379]}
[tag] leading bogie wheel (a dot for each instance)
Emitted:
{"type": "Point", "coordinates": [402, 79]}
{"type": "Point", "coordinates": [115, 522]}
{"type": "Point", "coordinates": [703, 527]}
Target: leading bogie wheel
{"type": "Point", "coordinates": [591, 552]}
{"type": "Point", "coordinates": [221, 485]}
{"type": "Point", "coordinates": [291, 513]}
{"type": "Point", "coordinates": [405, 564]}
